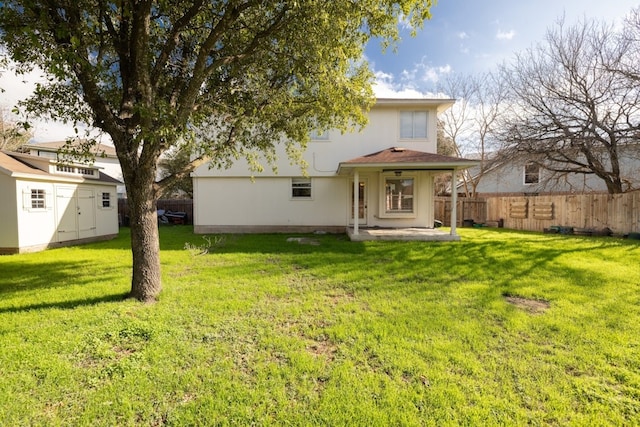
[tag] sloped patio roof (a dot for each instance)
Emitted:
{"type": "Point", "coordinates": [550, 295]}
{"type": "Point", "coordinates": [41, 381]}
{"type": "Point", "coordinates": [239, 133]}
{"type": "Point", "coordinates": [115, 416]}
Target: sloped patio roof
{"type": "Point", "coordinates": [397, 158]}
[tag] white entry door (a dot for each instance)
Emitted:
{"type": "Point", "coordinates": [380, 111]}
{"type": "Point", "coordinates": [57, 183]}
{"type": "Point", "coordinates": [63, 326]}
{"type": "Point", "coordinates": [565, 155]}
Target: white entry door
{"type": "Point", "coordinates": [362, 203]}
{"type": "Point", "coordinates": [76, 213]}
{"type": "Point", "coordinates": [86, 213]}
{"type": "Point", "coordinates": [67, 213]}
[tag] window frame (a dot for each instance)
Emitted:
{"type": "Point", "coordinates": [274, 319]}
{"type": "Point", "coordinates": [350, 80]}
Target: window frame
{"type": "Point", "coordinates": [316, 136]}
{"type": "Point", "coordinates": [38, 199]}
{"type": "Point", "coordinates": [299, 184]}
{"type": "Point", "coordinates": [387, 213]}
{"type": "Point", "coordinates": [413, 114]}
{"type": "Point", "coordinates": [526, 174]}
{"type": "Point", "coordinates": [108, 199]}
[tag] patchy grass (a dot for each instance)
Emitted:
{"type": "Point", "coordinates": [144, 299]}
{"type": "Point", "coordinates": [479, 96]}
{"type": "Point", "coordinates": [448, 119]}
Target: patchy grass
{"type": "Point", "coordinates": [503, 328]}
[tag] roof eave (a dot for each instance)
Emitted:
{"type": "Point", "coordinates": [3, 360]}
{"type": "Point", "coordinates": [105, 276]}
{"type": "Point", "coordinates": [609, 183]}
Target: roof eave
{"type": "Point", "coordinates": [344, 167]}
{"type": "Point", "coordinates": [441, 104]}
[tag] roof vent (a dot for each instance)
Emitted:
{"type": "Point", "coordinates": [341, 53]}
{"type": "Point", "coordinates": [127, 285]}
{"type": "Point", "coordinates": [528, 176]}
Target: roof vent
{"type": "Point", "coordinates": [398, 149]}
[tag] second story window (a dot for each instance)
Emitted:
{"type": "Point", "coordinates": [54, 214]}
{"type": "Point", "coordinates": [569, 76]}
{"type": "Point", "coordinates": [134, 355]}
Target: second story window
{"type": "Point", "coordinates": [531, 173]}
{"type": "Point", "coordinates": [319, 136]}
{"type": "Point", "coordinates": [413, 124]}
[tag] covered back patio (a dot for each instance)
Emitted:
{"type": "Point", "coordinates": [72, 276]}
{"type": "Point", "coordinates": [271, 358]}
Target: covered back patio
{"type": "Point", "coordinates": [402, 224]}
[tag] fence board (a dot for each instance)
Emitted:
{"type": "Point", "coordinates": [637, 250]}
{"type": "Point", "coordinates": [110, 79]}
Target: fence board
{"type": "Point", "coordinates": [619, 212]}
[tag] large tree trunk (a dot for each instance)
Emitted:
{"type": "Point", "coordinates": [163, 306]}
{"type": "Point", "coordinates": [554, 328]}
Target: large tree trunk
{"type": "Point", "coordinates": [145, 244]}
{"type": "Point", "coordinates": [145, 247]}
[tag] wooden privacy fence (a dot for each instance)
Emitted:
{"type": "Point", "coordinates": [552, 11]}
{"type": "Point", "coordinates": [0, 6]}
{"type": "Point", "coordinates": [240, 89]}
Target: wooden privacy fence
{"type": "Point", "coordinates": [173, 205]}
{"type": "Point", "coordinates": [618, 212]}
{"type": "Point", "coordinates": [469, 209]}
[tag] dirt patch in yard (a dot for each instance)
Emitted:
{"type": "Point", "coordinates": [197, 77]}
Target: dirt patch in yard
{"type": "Point", "coordinates": [533, 306]}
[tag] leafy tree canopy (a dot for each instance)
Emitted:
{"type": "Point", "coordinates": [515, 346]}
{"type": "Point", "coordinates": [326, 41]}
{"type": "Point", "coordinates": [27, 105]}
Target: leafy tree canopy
{"type": "Point", "coordinates": [222, 79]}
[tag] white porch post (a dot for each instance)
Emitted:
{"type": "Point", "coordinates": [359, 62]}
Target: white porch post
{"type": "Point", "coordinates": [454, 201]}
{"type": "Point", "coordinates": [356, 200]}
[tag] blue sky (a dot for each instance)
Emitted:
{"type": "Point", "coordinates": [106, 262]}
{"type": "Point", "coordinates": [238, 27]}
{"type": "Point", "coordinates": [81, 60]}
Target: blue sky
{"type": "Point", "coordinates": [474, 36]}
{"type": "Point", "coordinates": [463, 36]}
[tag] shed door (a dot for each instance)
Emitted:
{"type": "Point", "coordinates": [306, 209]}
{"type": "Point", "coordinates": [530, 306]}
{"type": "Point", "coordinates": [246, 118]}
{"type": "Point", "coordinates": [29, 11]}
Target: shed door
{"type": "Point", "coordinates": [86, 213]}
{"type": "Point", "coordinates": [67, 213]}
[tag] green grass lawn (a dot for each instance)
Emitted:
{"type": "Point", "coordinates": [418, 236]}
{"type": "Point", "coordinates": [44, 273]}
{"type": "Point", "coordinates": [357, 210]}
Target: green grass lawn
{"type": "Point", "coordinates": [503, 328]}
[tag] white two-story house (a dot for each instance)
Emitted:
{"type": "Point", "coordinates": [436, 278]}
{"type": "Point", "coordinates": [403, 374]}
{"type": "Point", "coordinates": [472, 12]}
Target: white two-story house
{"type": "Point", "coordinates": [382, 175]}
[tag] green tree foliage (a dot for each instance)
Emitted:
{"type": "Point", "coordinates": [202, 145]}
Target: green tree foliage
{"type": "Point", "coordinates": [172, 165]}
{"type": "Point", "coordinates": [221, 79]}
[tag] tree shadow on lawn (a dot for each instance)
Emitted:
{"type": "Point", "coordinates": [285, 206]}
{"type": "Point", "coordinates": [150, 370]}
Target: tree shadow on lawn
{"type": "Point", "coordinates": [51, 281]}
{"type": "Point", "coordinates": [65, 305]}
{"type": "Point", "coordinates": [506, 260]}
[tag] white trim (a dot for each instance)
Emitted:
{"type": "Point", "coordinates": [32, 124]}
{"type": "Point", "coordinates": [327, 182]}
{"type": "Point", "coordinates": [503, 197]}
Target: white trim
{"type": "Point", "coordinates": [383, 213]}
{"type": "Point", "coordinates": [524, 174]}
{"type": "Point", "coordinates": [301, 198]}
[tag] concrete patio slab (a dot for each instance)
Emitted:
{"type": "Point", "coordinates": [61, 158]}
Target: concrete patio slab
{"type": "Point", "coordinates": [401, 234]}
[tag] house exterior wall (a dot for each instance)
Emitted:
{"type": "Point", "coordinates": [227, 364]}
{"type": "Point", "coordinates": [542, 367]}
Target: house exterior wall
{"type": "Point", "coordinates": [227, 200]}
{"type": "Point", "coordinates": [323, 156]}
{"type": "Point", "coordinates": [509, 178]}
{"type": "Point", "coordinates": [265, 204]}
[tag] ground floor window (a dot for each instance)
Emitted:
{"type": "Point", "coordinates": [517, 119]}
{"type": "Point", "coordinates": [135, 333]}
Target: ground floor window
{"type": "Point", "coordinates": [399, 195]}
{"type": "Point", "coordinates": [531, 173]}
{"type": "Point", "coordinates": [106, 200]}
{"type": "Point", "coordinates": [301, 188]}
{"type": "Point", "coordinates": [38, 199]}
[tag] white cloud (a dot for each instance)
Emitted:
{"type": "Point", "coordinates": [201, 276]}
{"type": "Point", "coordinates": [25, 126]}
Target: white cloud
{"type": "Point", "coordinates": [433, 74]}
{"type": "Point", "coordinates": [19, 87]}
{"type": "Point", "coordinates": [505, 35]}
{"type": "Point", "coordinates": [463, 35]}
{"type": "Point", "coordinates": [385, 86]}
{"type": "Point", "coordinates": [424, 73]}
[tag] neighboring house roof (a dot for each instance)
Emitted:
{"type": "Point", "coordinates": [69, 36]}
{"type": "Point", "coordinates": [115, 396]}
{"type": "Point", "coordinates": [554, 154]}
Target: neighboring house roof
{"type": "Point", "coordinates": [402, 159]}
{"type": "Point", "coordinates": [99, 149]}
{"type": "Point", "coordinates": [11, 166]}
{"type": "Point", "coordinates": [18, 165]}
